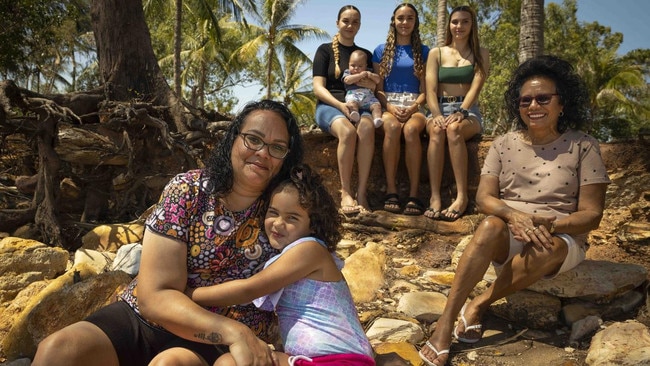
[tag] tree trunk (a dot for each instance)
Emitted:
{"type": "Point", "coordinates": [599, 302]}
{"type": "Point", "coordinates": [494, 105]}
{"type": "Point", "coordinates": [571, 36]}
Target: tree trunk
{"type": "Point", "coordinates": [127, 62]}
{"type": "Point", "coordinates": [441, 29]}
{"type": "Point", "coordinates": [531, 34]}
{"type": "Point", "coordinates": [177, 47]}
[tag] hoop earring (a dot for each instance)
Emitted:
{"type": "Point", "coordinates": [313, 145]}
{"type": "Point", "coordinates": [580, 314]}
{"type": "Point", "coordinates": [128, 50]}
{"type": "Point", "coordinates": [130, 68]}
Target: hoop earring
{"type": "Point", "coordinates": [561, 114]}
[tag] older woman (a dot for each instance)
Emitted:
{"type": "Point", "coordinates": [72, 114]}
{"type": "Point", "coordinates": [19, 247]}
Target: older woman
{"type": "Point", "coordinates": [543, 189]}
{"type": "Point", "coordinates": [206, 229]}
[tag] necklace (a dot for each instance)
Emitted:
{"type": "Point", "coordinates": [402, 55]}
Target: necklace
{"type": "Point", "coordinates": [460, 58]}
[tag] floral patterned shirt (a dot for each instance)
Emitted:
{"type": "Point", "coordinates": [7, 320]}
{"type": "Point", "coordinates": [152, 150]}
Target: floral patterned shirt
{"type": "Point", "coordinates": [221, 245]}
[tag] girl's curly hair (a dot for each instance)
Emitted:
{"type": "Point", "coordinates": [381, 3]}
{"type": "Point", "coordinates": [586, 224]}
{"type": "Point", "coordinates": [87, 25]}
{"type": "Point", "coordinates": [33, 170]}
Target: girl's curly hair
{"type": "Point", "coordinates": [220, 168]}
{"type": "Point", "coordinates": [571, 89]}
{"type": "Point", "coordinates": [324, 218]}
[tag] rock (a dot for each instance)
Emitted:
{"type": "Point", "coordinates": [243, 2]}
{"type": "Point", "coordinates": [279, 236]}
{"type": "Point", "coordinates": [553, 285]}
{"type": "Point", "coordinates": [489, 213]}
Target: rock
{"type": "Point", "coordinates": [364, 272]}
{"type": "Point", "coordinates": [24, 261]}
{"type": "Point", "coordinates": [402, 286]}
{"type": "Point", "coordinates": [584, 327]}
{"type": "Point", "coordinates": [396, 354]}
{"type": "Point", "coordinates": [101, 261]}
{"type": "Point", "coordinates": [109, 238]}
{"type": "Point", "coordinates": [24, 298]}
{"type": "Point", "coordinates": [423, 306]}
{"type": "Point", "coordinates": [394, 331]}
{"type": "Point", "coordinates": [572, 313]}
{"type": "Point", "coordinates": [534, 310]}
{"type": "Point", "coordinates": [440, 277]}
{"type": "Point", "coordinates": [626, 344]}
{"type": "Point", "coordinates": [61, 303]}
{"type": "Point", "coordinates": [598, 281]}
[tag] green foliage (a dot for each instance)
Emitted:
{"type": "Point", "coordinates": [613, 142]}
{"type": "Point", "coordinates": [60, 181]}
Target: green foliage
{"type": "Point", "coordinates": [40, 40]}
{"type": "Point", "coordinates": [28, 25]}
{"type": "Point", "coordinates": [48, 46]}
{"type": "Point", "coordinates": [275, 37]}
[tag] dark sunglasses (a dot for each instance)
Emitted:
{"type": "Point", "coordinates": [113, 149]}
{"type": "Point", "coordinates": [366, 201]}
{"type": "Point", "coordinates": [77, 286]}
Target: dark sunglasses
{"type": "Point", "coordinates": [541, 99]}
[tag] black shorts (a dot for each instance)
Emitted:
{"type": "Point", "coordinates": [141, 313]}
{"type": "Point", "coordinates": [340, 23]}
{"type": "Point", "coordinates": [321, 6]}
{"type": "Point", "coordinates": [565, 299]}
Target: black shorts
{"type": "Point", "coordinates": [137, 342]}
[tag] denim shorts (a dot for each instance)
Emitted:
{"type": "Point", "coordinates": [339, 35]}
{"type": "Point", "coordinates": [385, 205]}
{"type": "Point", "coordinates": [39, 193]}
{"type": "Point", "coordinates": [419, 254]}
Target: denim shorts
{"type": "Point", "coordinates": [449, 108]}
{"type": "Point", "coordinates": [326, 115]}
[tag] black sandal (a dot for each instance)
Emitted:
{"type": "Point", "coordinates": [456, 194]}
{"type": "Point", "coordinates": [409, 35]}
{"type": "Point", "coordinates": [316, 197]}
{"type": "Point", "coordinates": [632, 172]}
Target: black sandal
{"type": "Point", "coordinates": [414, 207]}
{"type": "Point", "coordinates": [391, 203]}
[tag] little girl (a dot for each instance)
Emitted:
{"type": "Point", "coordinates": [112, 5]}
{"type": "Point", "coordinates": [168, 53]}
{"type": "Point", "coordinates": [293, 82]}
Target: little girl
{"type": "Point", "coordinates": [318, 321]}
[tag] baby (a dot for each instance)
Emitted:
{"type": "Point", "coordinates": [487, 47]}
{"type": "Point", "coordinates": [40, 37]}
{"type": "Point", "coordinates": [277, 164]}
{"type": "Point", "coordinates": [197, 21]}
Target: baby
{"type": "Point", "coordinates": [358, 97]}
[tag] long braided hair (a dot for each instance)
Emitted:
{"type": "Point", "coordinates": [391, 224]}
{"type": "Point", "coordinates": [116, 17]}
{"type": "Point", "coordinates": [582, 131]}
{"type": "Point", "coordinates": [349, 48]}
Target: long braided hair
{"type": "Point", "coordinates": [388, 58]}
{"type": "Point", "coordinates": [335, 40]}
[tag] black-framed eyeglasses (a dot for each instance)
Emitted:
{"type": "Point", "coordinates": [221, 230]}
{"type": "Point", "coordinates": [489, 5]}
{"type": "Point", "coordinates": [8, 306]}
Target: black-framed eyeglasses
{"type": "Point", "coordinates": [541, 99]}
{"type": "Point", "coordinates": [253, 142]}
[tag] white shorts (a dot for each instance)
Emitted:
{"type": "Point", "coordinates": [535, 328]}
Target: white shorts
{"type": "Point", "coordinates": [576, 254]}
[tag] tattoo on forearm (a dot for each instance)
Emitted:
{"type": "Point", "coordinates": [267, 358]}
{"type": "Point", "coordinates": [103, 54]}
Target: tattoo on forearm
{"type": "Point", "coordinates": [213, 338]}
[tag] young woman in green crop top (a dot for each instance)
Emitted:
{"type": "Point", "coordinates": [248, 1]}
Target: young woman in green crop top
{"type": "Point", "coordinates": [455, 74]}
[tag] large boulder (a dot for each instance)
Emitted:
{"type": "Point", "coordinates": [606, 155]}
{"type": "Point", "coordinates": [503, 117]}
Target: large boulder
{"type": "Point", "coordinates": [67, 299]}
{"type": "Point", "coordinates": [24, 261]}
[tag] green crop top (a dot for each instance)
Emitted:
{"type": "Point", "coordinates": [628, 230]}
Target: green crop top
{"type": "Point", "coordinates": [455, 75]}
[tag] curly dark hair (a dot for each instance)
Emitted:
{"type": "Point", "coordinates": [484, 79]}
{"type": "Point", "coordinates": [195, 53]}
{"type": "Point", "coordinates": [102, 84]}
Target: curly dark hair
{"type": "Point", "coordinates": [570, 87]}
{"type": "Point", "coordinates": [324, 218]}
{"type": "Point", "coordinates": [219, 167]}
{"type": "Point", "coordinates": [388, 58]}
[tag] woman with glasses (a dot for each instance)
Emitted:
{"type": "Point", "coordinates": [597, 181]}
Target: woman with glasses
{"type": "Point", "coordinates": [333, 114]}
{"type": "Point", "coordinates": [205, 229]}
{"type": "Point", "coordinates": [542, 188]}
{"type": "Point", "coordinates": [455, 74]}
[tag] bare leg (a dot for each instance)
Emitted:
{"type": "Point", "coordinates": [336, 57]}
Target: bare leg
{"type": "Point", "coordinates": [179, 356]}
{"type": "Point", "coordinates": [347, 136]}
{"type": "Point", "coordinates": [413, 150]}
{"type": "Point", "coordinates": [390, 150]}
{"type": "Point", "coordinates": [365, 153]}
{"type": "Point", "coordinates": [78, 344]}
{"type": "Point", "coordinates": [354, 110]}
{"type": "Point", "coordinates": [228, 360]}
{"type": "Point", "coordinates": [522, 271]}
{"type": "Point", "coordinates": [376, 111]}
{"type": "Point", "coordinates": [490, 241]}
{"type": "Point", "coordinates": [225, 360]}
{"type": "Point", "coordinates": [435, 161]}
{"type": "Point", "coordinates": [457, 134]}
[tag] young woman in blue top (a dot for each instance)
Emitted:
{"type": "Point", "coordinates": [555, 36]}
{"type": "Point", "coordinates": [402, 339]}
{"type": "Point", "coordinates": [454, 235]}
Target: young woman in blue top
{"type": "Point", "coordinates": [455, 74]}
{"type": "Point", "coordinates": [401, 64]}
{"type": "Point", "coordinates": [333, 114]}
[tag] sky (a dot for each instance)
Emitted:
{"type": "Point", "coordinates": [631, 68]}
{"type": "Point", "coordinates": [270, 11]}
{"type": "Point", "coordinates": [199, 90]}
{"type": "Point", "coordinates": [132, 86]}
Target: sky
{"type": "Point", "coordinates": [629, 17]}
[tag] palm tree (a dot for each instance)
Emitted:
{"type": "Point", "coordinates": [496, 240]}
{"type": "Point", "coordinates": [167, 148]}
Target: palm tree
{"type": "Point", "coordinates": [275, 36]}
{"type": "Point", "coordinates": [206, 10]}
{"type": "Point", "coordinates": [441, 29]}
{"type": "Point", "coordinates": [614, 82]}
{"type": "Point", "coordinates": [297, 92]}
{"type": "Point", "coordinates": [531, 34]}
